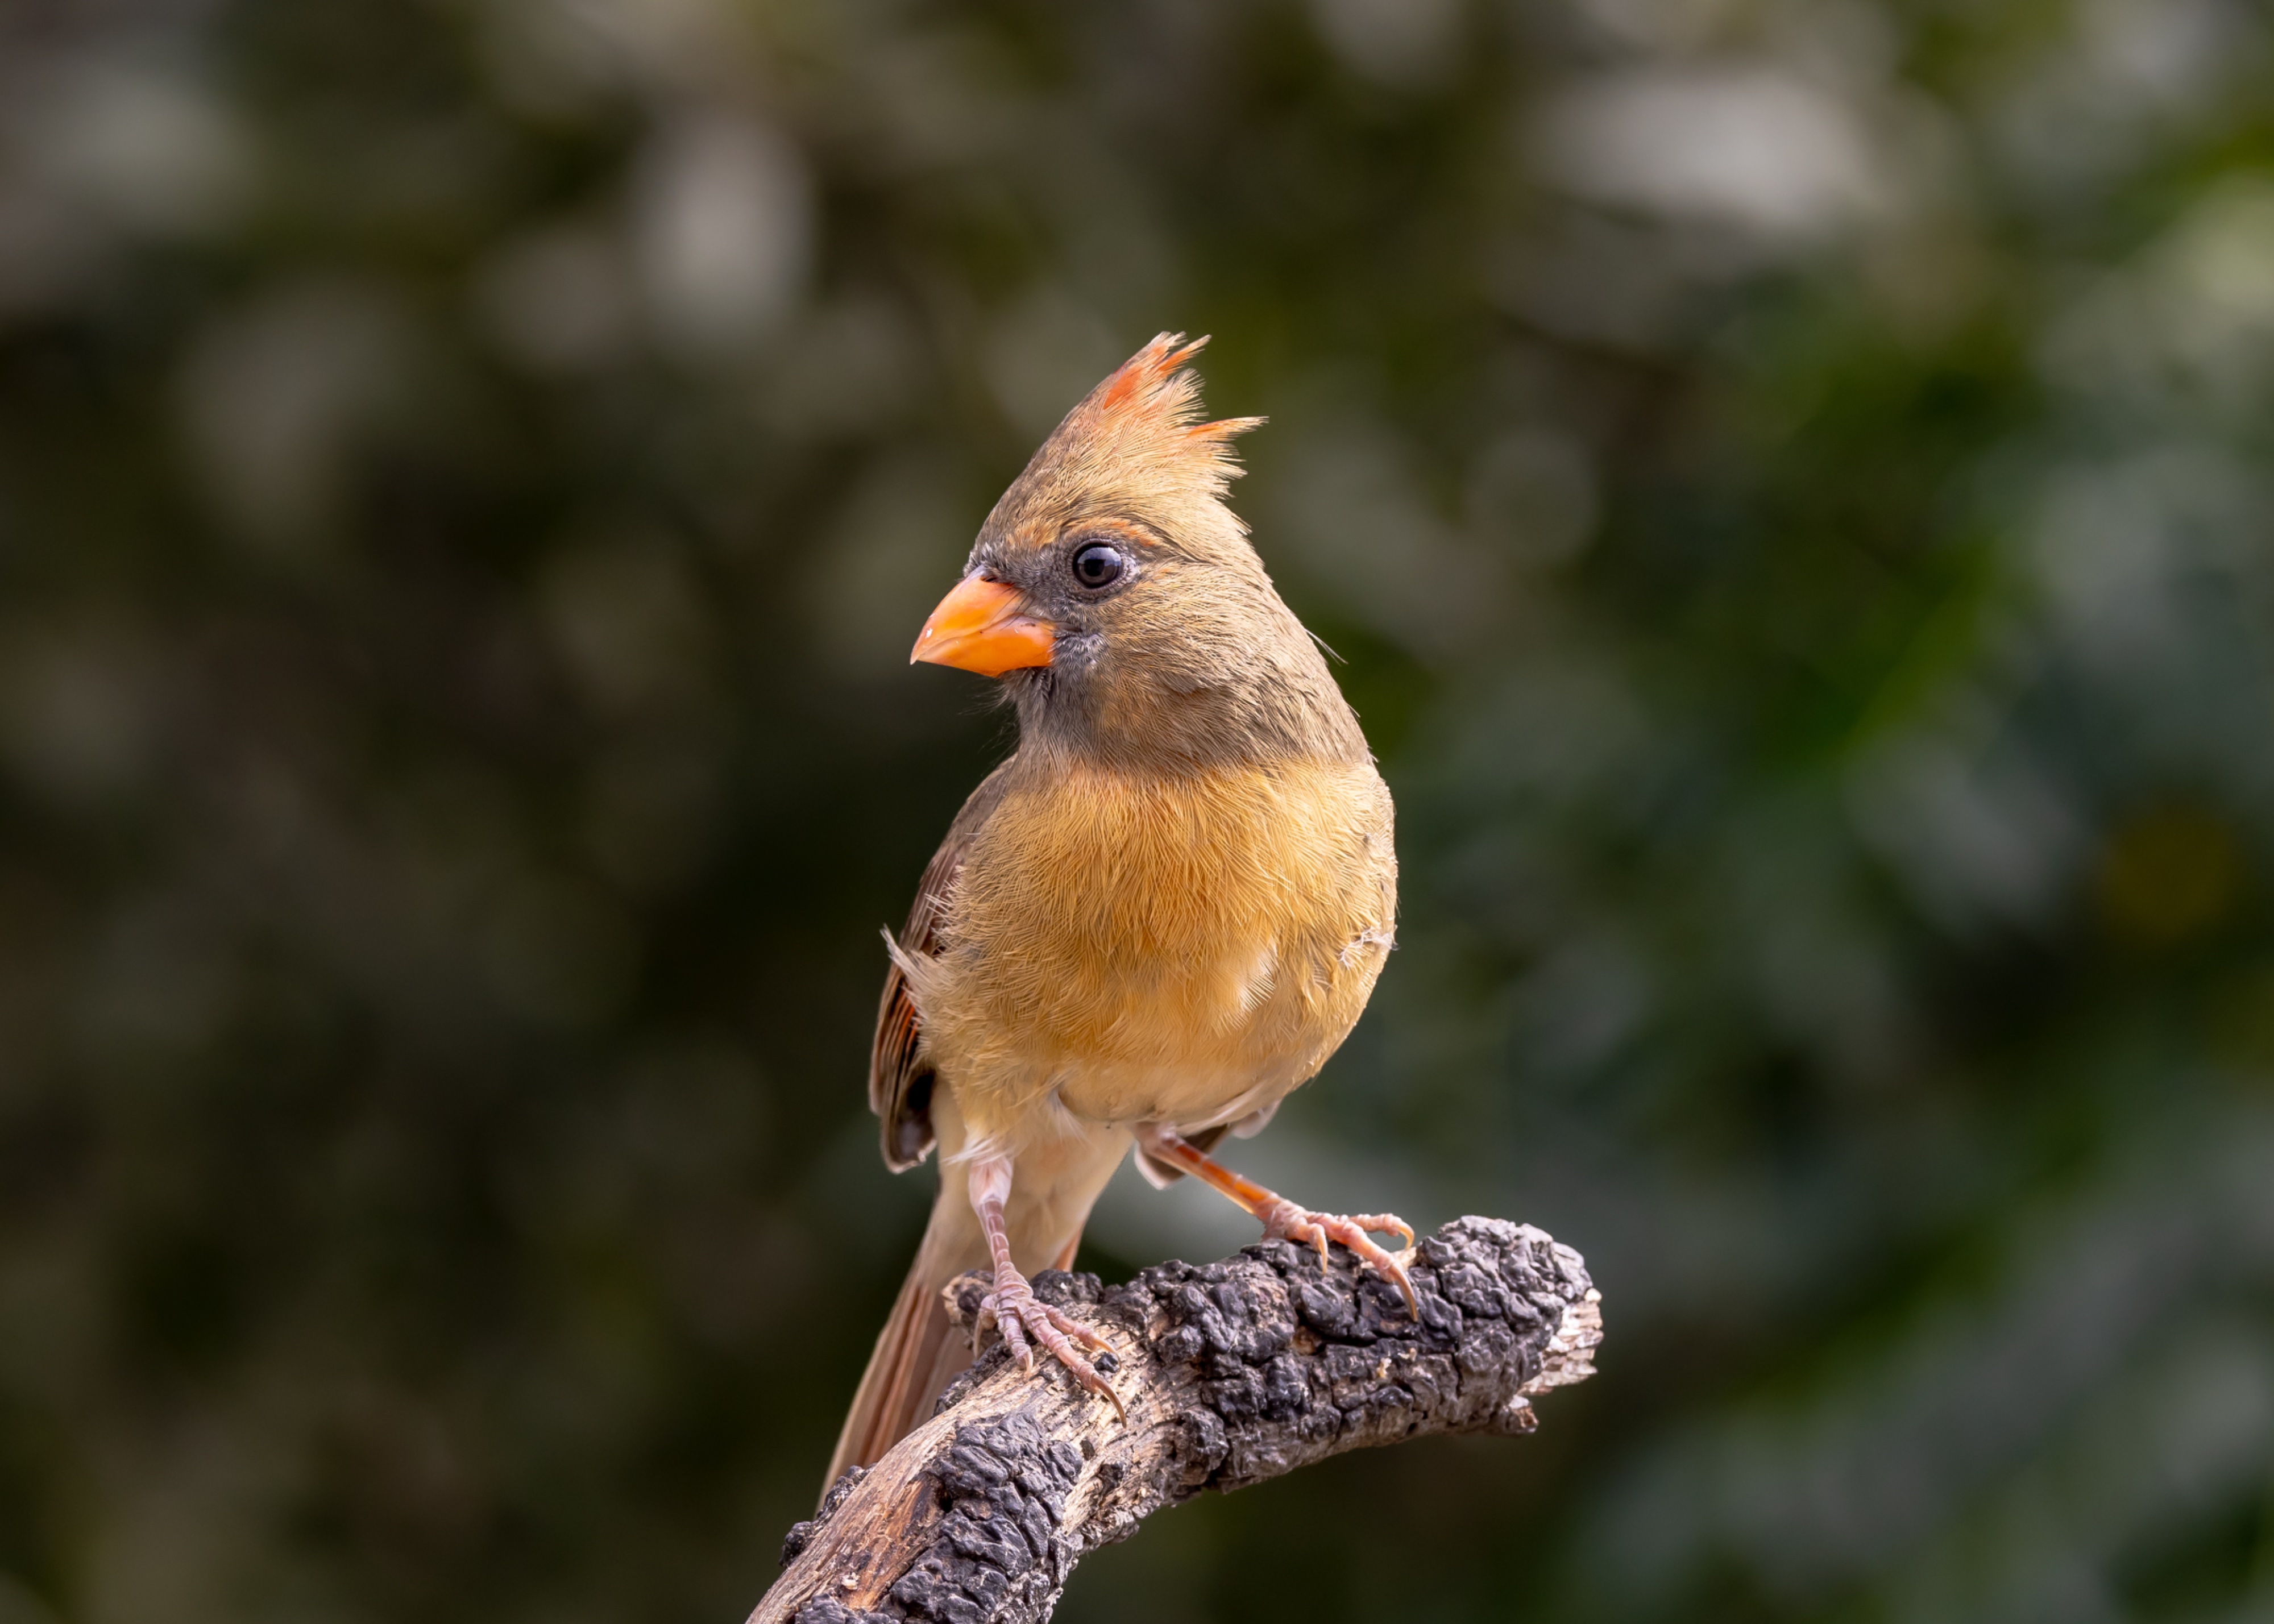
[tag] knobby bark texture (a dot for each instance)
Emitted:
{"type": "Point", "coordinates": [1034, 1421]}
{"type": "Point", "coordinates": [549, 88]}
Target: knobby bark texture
{"type": "Point", "coordinates": [1233, 1373]}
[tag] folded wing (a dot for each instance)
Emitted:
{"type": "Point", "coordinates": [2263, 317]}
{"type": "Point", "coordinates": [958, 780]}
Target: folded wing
{"type": "Point", "coordinates": [899, 1080]}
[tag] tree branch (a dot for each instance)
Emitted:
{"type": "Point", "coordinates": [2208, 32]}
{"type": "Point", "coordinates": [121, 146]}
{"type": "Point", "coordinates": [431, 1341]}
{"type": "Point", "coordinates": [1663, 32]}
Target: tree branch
{"type": "Point", "coordinates": [1233, 1373]}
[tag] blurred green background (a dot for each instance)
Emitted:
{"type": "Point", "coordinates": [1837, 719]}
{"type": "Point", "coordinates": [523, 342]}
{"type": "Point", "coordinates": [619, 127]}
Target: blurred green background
{"type": "Point", "coordinates": [1789, 481]}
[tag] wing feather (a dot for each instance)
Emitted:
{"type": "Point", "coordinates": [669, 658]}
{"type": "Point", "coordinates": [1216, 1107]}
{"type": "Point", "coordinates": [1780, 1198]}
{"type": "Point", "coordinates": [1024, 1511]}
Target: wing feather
{"type": "Point", "coordinates": [900, 1079]}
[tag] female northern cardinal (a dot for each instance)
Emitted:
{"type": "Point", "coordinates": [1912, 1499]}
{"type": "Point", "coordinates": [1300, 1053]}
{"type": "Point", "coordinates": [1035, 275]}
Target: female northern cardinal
{"type": "Point", "coordinates": [1152, 922]}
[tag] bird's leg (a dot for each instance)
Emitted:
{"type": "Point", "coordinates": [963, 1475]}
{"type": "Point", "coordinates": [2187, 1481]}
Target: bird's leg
{"type": "Point", "coordinates": [1282, 1219]}
{"type": "Point", "coordinates": [1014, 1307]}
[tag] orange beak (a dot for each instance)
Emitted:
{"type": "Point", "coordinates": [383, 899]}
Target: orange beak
{"type": "Point", "coordinates": [978, 627]}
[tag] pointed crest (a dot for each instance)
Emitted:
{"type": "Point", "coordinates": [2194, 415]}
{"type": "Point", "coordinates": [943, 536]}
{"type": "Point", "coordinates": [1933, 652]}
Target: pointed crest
{"type": "Point", "coordinates": [1149, 411]}
{"type": "Point", "coordinates": [1137, 442]}
{"type": "Point", "coordinates": [1145, 420]}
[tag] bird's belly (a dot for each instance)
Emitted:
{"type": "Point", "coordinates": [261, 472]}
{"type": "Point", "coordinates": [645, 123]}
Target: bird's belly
{"type": "Point", "coordinates": [1191, 1059]}
{"type": "Point", "coordinates": [1186, 1098]}
{"type": "Point", "coordinates": [1156, 959]}
{"type": "Point", "coordinates": [1165, 1047]}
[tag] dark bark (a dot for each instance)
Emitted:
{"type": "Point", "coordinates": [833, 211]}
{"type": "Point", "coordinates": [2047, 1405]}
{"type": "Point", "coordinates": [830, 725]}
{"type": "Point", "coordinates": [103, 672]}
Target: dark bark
{"type": "Point", "coordinates": [1233, 1373]}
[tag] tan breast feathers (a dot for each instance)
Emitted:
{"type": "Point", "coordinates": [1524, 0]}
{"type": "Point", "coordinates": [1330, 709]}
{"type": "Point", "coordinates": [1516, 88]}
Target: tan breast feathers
{"type": "Point", "coordinates": [1164, 944]}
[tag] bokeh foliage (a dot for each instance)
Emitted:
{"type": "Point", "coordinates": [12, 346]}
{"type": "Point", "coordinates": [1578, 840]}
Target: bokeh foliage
{"type": "Point", "coordinates": [1788, 482]}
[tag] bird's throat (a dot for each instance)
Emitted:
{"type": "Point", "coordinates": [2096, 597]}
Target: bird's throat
{"type": "Point", "coordinates": [1182, 720]}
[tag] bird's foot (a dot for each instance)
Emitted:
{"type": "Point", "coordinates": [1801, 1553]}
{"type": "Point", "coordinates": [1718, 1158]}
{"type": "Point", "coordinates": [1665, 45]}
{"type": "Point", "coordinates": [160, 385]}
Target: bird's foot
{"type": "Point", "coordinates": [1284, 1221]}
{"type": "Point", "coordinates": [1019, 1315]}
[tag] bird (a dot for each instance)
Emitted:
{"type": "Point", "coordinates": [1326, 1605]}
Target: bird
{"type": "Point", "coordinates": [1157, 918]}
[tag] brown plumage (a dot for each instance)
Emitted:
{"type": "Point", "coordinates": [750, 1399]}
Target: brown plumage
{"type": "Point", "coordinates": [1160, 916]}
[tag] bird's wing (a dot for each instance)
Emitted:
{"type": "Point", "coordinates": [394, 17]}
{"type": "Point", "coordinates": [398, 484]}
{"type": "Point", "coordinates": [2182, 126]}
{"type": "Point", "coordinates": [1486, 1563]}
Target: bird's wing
{"type": "Point", "coordinates": [899, 1082]}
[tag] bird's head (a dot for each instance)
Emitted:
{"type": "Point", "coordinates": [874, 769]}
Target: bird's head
{"type": "Point", "coordinates": [1116, 597]}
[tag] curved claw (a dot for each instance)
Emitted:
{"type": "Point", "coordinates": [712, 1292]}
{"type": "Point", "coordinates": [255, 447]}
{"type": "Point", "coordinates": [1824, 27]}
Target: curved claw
{"type": "Point", "coordinates": [1288, 1221]}
{"type": "Point", "coordinates": [1387, 1223]}
{"type": "Point", "coordinates": [1017, 1313]}
{"type": "Point", "coordinates": [1076, 1329]}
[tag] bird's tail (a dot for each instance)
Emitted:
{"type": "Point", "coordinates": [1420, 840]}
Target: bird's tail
{"type": "Point", "coordinates": [914, 1356]}
{"type": "Point", "coordinates": [918, 1353]}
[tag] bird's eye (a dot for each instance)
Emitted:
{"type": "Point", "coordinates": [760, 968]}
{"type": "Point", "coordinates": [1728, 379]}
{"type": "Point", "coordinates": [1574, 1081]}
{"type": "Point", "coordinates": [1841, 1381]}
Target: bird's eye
{"type": "Point", "coordinates": [1097, 564]}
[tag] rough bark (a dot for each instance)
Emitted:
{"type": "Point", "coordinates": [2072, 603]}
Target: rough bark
{"type": "Point", "coordinates": [1233, 1373]}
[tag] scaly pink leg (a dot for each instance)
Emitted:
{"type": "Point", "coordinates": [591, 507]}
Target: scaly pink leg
{"type": "Point", "coordinates": [1283, 1220]}
{"type": "Point", "coordinates": [1012, 1307]}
